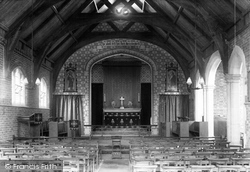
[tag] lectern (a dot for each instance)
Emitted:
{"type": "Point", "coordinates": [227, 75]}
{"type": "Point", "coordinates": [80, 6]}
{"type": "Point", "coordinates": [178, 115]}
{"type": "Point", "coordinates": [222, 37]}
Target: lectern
{"type": "Point", "coordinates": [74, 125]}
{"type": "Point", "coordinates": [33, 121]}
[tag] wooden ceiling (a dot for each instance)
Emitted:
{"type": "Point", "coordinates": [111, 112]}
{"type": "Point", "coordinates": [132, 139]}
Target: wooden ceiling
{"type": "Point", "coordinates": [188, 29]}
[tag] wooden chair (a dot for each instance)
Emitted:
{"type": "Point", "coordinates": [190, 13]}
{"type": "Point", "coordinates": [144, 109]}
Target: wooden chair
{"type": "Point", "coordinates": [201, 168]}
{"type": "Point", "coordinates": [116, 147]}
{"type": "Point", "coordinates": [219, 161]}
{"type": "Point", "coordinates": [241, 161]}
{"type": "Point", "coordinates": [144, 168]}
{"type": "Point", "coordinates": [170, 164]}
{"type": "Point", "coordinates": [247, 168]}
{"type": "Point", "coordinates": [70, 164]}
{"type": "Point", "coordinates": [230, 168]}
{"type": "Point", "coordinates": [173, 168]}
{"type": "Point", "coordinates": [244, 162]}
{"type": "Point", "coordinates": [193, 161]}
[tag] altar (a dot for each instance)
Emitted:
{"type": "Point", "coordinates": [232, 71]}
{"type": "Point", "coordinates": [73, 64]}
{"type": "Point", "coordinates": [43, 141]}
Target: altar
{"type": "Point", "coordinates": [122, 117]}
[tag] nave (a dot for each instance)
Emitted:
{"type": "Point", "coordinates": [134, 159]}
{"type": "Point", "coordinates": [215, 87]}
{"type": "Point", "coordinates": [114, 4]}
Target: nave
{"type": "Point", "coordinates": [125, 154]}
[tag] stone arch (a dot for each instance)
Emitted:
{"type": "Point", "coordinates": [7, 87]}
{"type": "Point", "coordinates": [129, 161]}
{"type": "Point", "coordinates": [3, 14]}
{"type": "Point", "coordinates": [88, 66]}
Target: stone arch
{"type": "Point", "coordinates": [237, 63]}
{"type": "Point", "coordinates": [211, 68]}
{"type": "Point", "coordinates": [237, 90]}
{"type": "Point", "coordinates": [208, 108]}
{"type": "Point", "coordinates": [134, 54]}
{"type": "Point", "coordinates": [110, 53]}
{"type": "Point", "coordinates": [19, 64]}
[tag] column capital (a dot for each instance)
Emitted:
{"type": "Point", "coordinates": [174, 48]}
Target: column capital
{"type": "Point", "coordinates": [233, 77]}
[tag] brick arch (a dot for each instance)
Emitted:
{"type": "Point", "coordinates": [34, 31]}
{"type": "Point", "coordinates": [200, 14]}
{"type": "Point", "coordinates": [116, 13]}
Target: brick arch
{"type": "Point", "coordinates": [108, 54]}
{"type": "Point", "coordinates": [89, 65]}
{"type": "Point", "coordinates": [43, 75]}
{"type": "Point", "coordinates": [19, 64]}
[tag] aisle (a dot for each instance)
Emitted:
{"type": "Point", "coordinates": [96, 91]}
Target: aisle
{"type": "Point", "coordinates": [114, 165]}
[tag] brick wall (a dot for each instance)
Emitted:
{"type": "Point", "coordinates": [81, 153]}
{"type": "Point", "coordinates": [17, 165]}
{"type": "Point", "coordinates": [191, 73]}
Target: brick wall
{"type": "Point", "coordinates": [9, 124]}
{"type": "Point", "coordinates": [220, 92]}
{"type": "Point", "coordinates": [9, 113]}
{"type": "Point", "coordinates": [247, 138]}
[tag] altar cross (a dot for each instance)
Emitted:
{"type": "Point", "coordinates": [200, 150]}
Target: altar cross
{"type": "Point", "coordinates": [122, 99]}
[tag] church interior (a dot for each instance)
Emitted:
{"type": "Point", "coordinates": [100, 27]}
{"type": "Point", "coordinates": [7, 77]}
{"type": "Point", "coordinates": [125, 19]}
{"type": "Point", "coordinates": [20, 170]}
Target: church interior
{"type": "Point", "coordinates": [124, 85]}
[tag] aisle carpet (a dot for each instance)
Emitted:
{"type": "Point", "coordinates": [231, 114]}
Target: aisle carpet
{"type": "Point", "coordinates": [114, 165]}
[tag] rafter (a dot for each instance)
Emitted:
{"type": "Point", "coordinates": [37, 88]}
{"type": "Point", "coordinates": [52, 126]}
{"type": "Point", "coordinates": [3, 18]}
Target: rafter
{"type": "Point", "coordinates": [23, 18]}
{"type": "Point", "coordinates": [193, 23]}
{"type": "Point", "coordinates": [145, 18]}
{"type": "Point", "coordinates": [170, 22]}
{"type": "Point", "coordinates": [178, 14]}
{"type": "Point", "coordinates": [48, 19]}
{"type": "Point", "coordinates": [128, 26]}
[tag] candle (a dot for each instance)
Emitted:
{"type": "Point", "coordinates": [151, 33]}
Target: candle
{"type": "Point", "coordinates": [139, 97]}
{"type": "Point", "coordinates": [104, 97]}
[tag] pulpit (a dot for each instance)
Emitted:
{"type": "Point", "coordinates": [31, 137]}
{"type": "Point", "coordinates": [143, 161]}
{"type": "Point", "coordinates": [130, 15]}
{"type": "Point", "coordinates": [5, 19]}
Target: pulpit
{"type": "Point", "coordinates": [122, 117]}
{"type": "Point", "coordinates": [33, 121]}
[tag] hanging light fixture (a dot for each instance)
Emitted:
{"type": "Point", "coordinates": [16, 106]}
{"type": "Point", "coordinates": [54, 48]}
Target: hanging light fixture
{"type": "Point", "coordinates": [189, 80]}
{"type": "Point", "coordinates": [38, 81]}
{"type": "Point", "coordinates": [25, 81]}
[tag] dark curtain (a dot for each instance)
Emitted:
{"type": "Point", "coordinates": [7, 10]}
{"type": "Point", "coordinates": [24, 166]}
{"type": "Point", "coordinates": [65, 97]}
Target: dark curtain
{"type": "Point", "coordinates": [122, 81]}
{"type": "Point", "coordinates": [69, 107]}
{"type": "Point", "coordinates": [173, 106]}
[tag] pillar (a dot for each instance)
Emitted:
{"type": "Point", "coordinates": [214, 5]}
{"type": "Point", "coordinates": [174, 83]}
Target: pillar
{"type": "Point", "coordinates": [209, 108]}
{"type": "Point", "coordinates": [233, 122]}
{"type": "Point", "coordinates": [198, 105]}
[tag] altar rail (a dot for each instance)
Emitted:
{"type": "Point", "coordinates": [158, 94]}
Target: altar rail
{"type": "Point", "coordinates": [143, 130]}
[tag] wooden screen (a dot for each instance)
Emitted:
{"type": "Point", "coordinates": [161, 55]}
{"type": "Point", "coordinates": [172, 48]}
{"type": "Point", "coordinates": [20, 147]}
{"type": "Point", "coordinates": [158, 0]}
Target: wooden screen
{"type": "Point", "coordinates": [122, 81]}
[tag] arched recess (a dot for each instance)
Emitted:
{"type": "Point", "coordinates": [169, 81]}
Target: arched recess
{"type": "Point", "coordinates": [237, 90]}
{"type": "Point", "coordinates": [208, 91]}
{"type": "Point", "coordinates": [131, 53]}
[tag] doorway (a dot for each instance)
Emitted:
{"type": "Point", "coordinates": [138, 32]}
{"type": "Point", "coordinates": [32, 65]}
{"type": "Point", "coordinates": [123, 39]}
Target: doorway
{"type": "Point", "coordinates": [145, 103]}
{"type": "Point", "coordinates": [97, 104]}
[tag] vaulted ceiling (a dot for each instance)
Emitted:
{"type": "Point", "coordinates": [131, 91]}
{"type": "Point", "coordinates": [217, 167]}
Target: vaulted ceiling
{"type": "Point", "coordinates": [190, 30]}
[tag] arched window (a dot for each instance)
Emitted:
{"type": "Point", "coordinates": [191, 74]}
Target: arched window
{"type": "Point", "coordinates": [18, 87]}
{"type": "Point", "coordinates": [43, 94]}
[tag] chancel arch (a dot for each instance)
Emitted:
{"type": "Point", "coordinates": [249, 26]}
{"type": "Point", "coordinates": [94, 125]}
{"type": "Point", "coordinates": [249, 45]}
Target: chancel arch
{"type": "Point", "coordinates": [124, 56]}
{"type": "Point", "coordinates": [151, 54]}
{"type": "Point", "coordinates": [121, 73]}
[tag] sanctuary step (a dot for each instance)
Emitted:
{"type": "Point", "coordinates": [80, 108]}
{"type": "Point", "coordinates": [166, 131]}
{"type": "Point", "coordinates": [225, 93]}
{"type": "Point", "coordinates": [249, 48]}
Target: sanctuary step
{"type": "Point", "coordinates": [120, 132]}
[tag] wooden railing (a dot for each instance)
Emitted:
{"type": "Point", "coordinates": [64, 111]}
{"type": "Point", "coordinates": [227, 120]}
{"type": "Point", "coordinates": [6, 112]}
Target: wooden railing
{"type": "Point", "coordinates": [143, 130]}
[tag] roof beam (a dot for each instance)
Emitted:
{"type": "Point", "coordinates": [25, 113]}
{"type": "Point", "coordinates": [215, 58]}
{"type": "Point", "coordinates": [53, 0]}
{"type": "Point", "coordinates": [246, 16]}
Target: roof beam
{"type": "Point", "coordinates": [191, 22]}
{"type": "Point", "coordinates": [145, 18]}
{"type": "Point", "coordinates": [23, 18]}
{"type": "Point", "coordinates": [178, 14]}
